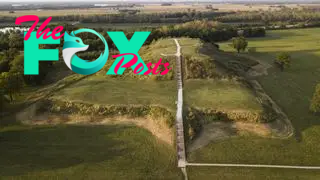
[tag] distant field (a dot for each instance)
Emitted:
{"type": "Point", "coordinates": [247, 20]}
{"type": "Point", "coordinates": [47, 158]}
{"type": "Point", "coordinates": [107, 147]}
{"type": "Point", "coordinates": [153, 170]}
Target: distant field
{"type": "Point", "coordinates": [89, 152]}
{"type": "Point", "coordinates": [152, 8]}
{"type": "Point", "coordinates": [123, 25]}
{"type": "Point", "coordinates": [292, 90]}
{"type": "Point", "coordinates": [62, 12]}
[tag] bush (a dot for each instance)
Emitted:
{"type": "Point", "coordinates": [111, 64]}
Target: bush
{"type": "Point", "coordinates": [315, 102]}
{"type": "Point", "coordinates": [239, 44]}
{"type": "Point", "coordinates": [67, 107]}
{"type": "Point", "coordinates": [199, 68]}
{"type": "Point", "coordinates": [283, 60]}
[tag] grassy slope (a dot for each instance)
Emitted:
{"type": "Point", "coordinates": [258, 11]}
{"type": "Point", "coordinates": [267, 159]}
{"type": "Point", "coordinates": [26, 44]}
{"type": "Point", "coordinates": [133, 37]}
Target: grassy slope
{"type": "Point", "coordinates": [200, 93]}
{"type": "Point", "coordinates": [223, 173]}
{"type": "Point", "coordinates": [220, 95]}
{"type": "Point", "coordinates": [292, 90]}
{"type": "Point", "coordinates": [101, 89]}
{"type": "Point", "coordinates": [84, 152]}
{"type": "Point", "coordinates": [34, 152]}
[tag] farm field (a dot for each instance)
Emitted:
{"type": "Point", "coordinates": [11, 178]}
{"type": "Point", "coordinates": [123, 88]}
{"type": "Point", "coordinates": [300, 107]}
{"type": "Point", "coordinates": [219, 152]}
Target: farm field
{"type": "Point", "coordinates": [292, 90]}
{"type": "Point", "coordinates": [120, 26]}
{"type": "Point", "coordinates": [62, 12]}
{"type": "Point", "coordinates": [123, 25]}
{"type": "Point", "coordinates": [148, 8]}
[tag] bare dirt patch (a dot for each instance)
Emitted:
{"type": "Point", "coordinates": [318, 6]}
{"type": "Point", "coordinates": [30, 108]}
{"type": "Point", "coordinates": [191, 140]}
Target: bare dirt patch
{"type": "Point", "coordinates": [259, 69]}
{"type": "Point", "coordinates": [157, 127]}
{"type": "Point", "coordinates": [216, 131]}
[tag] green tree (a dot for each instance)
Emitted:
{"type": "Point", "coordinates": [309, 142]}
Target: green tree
{"type": "Point", "coordinates": [17, 66]}
{"type": "Point", "coordinates": [11, 83]}
{"type": "Point", "coordinates": [239, 43]}
{"type": "Point", "coordinates": [16, 41]}
{"type": "Point", "coordinates": [315, 102]}
{"type": "Point", "coordinates": [283, 60]}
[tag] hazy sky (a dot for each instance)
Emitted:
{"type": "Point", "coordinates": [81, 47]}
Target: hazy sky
{"type": "Point", "coordinates": [143, 0]}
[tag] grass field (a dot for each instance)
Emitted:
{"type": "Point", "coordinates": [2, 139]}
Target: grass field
{"type": "Point", "coordinates": [292, 90]}
{"type": "Point", "coordinates": [84, 152]}
{"type": "Point", "coordinates": [220, 94]}
{"type": "Point", "coordinates": [223, 173]}
{"type": "Point", "coordinates": [100, 90]}
{"type": "Point", "coordinates": [203, 93]}
{"type": "Point", "coordinates": [27, 153]}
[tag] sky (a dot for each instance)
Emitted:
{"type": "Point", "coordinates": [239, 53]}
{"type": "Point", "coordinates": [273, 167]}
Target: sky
{"type": "Point", "coordinates": [13, 1]}
{"type": "Point", "coordinates": [106, 1]}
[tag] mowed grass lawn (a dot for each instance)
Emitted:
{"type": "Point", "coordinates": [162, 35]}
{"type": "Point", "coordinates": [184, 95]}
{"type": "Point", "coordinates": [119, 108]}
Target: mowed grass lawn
{"type": "Point", "coordinates": [84, 152]}
{"type": "Point", "coordinates": [292, 90]}
{"type": "Point", "coordinates": [106, 90]}
{"type": "Point", "coordinates": [221, 95]}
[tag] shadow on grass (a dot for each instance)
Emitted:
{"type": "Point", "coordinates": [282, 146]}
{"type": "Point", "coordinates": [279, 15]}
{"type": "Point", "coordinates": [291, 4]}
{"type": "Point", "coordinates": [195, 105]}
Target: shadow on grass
{"type": "Point", "coordinates": [293, 89]}
{"type": "Point", "coordinates": [281, 34]}
{"type": "Point", "coordinates": [30, 149]}
{"type": "Point", "coordinates": [44, 93]}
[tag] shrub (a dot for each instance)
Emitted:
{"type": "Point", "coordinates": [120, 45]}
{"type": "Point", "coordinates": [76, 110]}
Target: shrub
{"type": "Point", "coordinates": [199, 68]}
{"type": "Point", "coordinates": [192, 123]}
{"type": "Point", "coordinates": [67, 107]}
{"type": "Point", "coordinates": [239, 43]}
{"type": "Point", "coordinates": [315, 102]}
{"type": "Point", "coordinates": [283, 60]}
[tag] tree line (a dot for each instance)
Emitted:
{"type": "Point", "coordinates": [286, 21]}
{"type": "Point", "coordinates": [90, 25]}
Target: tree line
{"type": "Point", "coordinates": [285, 15]}
{"type": "Point", "coordinates": [12, 59]}
{"type": "Point", "coordinates": [170, 17]}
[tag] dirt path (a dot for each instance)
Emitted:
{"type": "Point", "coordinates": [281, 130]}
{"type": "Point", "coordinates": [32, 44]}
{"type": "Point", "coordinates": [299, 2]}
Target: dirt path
{"type": "Point", "coordinates": [257, 70]}
{"type": "Point", "coordinates": [217, 131]}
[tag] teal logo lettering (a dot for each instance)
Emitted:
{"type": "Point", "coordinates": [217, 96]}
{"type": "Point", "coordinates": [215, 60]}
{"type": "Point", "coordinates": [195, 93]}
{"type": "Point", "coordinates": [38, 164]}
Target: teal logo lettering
{"type": "Point", "coordinates": [128, 56]}
{"type": "Point", "coordinates": [73, 44]}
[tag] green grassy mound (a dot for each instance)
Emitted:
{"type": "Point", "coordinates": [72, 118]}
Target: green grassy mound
{"type": "Point", "coordinates": [196, 65]}
{"type": "Point", "coordinates": [222, 95]}
{"type": "Point", "coordinates": [104, 90]}
{"type": "Point", "coordinates": [214, 100]}
{"type": "Point", "coordinates": [234, 63]}
{"type": "Point", "coordinates": [292, 90]}
{"type": "Point", "coordinates": [216, 94]}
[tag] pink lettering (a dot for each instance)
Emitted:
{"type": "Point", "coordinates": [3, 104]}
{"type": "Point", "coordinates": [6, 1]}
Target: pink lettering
{"type": "Point", "coordinates": [45, 32]}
